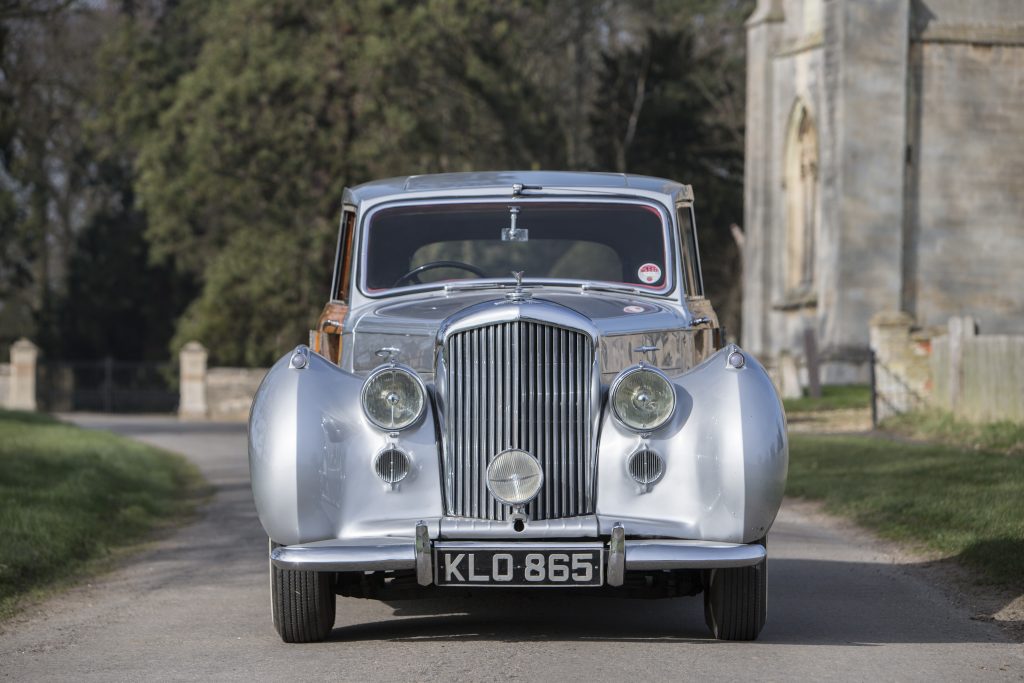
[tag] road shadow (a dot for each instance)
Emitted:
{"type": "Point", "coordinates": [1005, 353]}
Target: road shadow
{"type": "Point", "coordinates": [811, 602]}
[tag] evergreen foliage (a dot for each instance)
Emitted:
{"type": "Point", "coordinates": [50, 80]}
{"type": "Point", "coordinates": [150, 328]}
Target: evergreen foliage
{"type": "Point", "coordinates": [208, 144]}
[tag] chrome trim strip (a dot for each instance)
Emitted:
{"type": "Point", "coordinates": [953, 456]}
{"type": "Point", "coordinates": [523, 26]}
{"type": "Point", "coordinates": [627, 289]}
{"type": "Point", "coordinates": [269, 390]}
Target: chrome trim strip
{"type": "Point", "coordinates": [673, 554]}
{"type": "Point", "coordinates": [517, 545]}
{"type": "Point", "coordinates": [671, 289]}
{"type": "Point", "coordinates": [486, 529]}
{"type": "Point", "coordinates": [424, 558]}
{"type": "Point", "coordinates": [623, 555]}
{"type": "Point", "coordinates": [345, 558]}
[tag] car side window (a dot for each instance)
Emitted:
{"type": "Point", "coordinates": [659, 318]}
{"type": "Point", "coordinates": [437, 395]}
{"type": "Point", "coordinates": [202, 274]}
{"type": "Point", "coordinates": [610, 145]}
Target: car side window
{"type": "Point", "coordinates": [690, 256]}
{"type": "Point", "coordinates": [343, 257]}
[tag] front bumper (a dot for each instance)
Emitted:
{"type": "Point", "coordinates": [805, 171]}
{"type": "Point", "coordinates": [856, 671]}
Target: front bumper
{"type": "Point", "coordinates": [623, 555]}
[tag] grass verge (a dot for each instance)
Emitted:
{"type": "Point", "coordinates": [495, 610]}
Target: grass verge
{"type": "Point", "coordinates": [69, 498]}
{"type": "Point", "coordinates": [836, 397]}
{"type": "Point", "coordinates": [961, 503]}
{"type": "Point", "coordinates": [937, 426]}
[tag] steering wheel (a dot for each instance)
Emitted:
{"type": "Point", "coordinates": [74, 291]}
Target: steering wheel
{"type": "Point", "coordinates": [414, 274]}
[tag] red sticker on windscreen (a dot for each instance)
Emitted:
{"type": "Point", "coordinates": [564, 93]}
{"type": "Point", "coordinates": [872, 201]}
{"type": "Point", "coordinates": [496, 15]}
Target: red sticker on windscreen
{"type": "Point", "coordinates": [649, 273]}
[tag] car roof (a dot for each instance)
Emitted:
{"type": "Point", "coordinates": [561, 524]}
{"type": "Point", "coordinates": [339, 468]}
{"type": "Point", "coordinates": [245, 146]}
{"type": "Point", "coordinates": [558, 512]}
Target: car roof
{"type": "Point", "coordinates": [447, 184]}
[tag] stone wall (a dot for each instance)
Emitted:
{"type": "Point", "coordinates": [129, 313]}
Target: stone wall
{"type": "Point", "coordinates": [229, 391]}
{"type": "Point", "coordinates": [979, 378]}
{"type": "Point", "coordinates": [966, 204]}
{"type": "Point", "coordinates": [214, 393]}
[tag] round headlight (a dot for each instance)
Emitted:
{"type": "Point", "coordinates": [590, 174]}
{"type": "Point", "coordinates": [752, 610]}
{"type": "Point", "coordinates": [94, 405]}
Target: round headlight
{"type": "Point", "coordinates": [393, 397]}
{"type": "Point", "coordinates": [514, 477]}
{"type": "Point", "coordinates": [642, 398]}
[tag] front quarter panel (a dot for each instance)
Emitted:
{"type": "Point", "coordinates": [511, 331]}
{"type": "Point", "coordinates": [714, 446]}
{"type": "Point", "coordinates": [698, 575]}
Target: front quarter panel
{"type": "Point", "coordinates": [311, 455]}
{"type": "Point", "coordinates": [726, 454]}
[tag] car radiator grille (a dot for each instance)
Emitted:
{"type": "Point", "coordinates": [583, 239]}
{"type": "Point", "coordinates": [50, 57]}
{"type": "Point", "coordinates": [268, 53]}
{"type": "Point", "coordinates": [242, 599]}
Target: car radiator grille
{"type": "Point", "coordinates": [519, 385]}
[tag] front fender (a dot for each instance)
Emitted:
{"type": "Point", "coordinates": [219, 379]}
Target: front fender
{"type": "Point", "coordinates": [726, 458]}
{"type": "Point", "coordinates": [311, 455]}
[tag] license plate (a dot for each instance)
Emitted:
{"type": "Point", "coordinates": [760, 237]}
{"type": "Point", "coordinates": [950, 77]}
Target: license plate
{"type": "Point", "coordinates": [580, 565]}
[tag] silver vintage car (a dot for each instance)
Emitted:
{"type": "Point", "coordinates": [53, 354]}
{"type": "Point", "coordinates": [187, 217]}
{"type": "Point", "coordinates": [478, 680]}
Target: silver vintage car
{"type": "Point", "coordinates": [517, 384]}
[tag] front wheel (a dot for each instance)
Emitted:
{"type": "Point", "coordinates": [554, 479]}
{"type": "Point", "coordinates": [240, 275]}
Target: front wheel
{"type": "Point", "coordinates": [736, 601]}
{"type": "Point", "coordinates": [302, 603]}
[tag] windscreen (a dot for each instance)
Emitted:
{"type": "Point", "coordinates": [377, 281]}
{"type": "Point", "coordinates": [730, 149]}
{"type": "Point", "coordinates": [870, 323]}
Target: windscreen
{"type": "Point", "coordinates": [606, 242]}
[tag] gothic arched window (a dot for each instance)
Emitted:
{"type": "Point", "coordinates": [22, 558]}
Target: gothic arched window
{"type": "Point", "coordinates": [800, 180]}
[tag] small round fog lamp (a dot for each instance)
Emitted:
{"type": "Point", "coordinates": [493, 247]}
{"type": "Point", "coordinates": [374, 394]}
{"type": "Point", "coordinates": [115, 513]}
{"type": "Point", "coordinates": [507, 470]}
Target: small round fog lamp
{"type": "Point", "coordinates": [514, 477]}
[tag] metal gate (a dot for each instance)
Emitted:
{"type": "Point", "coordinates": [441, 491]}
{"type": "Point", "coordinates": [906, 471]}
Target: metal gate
{"type": "Point", "coordinates": [108, 386]}
{"type": "Point", "coordinates": [891, 393]}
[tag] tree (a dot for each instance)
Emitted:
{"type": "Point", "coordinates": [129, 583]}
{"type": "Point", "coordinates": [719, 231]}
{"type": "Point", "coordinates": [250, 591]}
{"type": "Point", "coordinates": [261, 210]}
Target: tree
{"type": "Point", "coordinates": [42, 170]}
{"type": "Point", "coordinates": [197, 151]}
{"type": "Point", "coordinates": [671, 104]}
{"type": "Point", "coordinates": [286, 105]}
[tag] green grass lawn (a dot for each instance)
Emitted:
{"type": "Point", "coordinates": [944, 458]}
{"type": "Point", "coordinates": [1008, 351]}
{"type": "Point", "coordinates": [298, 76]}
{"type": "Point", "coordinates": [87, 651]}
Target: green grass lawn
{"type": "Point", "coordinates": [69, 497]}
{"type": "Point", "coordinates": [934, 425]}
{"type": "Point", "coordinates": [832, 398]}
{"type": "Point", "coordinates": [963, 503]}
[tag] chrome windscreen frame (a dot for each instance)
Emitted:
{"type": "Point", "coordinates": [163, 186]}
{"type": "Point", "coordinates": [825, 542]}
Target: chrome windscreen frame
{"type": "Point", "coordinates": [673, 287]}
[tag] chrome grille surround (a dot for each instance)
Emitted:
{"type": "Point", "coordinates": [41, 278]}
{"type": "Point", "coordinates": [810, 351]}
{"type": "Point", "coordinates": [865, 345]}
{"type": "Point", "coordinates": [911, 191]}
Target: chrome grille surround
{"type": "Point", "coordinates": [519, 375]}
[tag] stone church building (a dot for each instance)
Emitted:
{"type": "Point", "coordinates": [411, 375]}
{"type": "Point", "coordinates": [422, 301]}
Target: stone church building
{"type": "Point", "coordinates": [884, 171]}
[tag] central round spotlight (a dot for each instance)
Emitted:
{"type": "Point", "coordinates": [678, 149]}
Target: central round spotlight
{"type": "Point", "coordinates": [514, 477]}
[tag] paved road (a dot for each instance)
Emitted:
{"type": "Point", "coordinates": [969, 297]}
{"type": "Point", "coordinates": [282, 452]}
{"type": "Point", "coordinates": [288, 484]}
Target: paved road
{"type": "Point", "coordinates": [196, 606]}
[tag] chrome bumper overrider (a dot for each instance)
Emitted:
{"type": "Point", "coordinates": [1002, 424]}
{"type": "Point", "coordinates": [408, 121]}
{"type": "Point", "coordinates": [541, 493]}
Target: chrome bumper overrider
{"type": "Point", "coordinates": [415, 553]}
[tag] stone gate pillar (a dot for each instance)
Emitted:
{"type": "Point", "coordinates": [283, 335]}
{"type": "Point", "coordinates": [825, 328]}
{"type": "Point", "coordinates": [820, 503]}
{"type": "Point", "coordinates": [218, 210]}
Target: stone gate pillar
{"type": "Point", "coordinates": [890, 340]}
{"type": "Point", "coordinates": [192, 386]}
{"type": "Point", "coordinates": [22, 387]}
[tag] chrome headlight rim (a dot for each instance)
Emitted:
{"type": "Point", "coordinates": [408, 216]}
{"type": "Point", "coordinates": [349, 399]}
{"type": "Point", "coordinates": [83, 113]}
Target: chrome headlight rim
{"type": "Point", "coordinates": [617, 383]}
{"type": "Point", "coordinates": [394, 367]}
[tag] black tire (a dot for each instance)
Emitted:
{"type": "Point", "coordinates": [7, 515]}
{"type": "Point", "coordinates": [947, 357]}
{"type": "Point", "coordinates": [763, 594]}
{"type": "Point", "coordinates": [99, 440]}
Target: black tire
{"type": "Point", "coordinates": [736, 601]}
{"type": "Point", "coordinates": [302, 604]}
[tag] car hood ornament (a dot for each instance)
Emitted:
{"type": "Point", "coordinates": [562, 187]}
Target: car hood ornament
{"type": "Point", "coordinates": [518, 294]}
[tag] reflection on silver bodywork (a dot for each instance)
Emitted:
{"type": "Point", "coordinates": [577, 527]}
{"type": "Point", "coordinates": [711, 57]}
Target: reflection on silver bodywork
{"type": "Point", "coordinates": [675, 554]}
{"type": "Point", "coordinates": [414, 350]}
{"type": "Point", "coordinates": [332, 473]}
{"type": "Point", "coordinates": [622, 322]}
{"type": "Point", "coordinates": [311, 455]}
{"type": "Point", "coordinates": [726, 456]}
{"type": "Point", "coordinates": [725, 452]}
{"type": "Point", "coordinates": [671, 351]}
